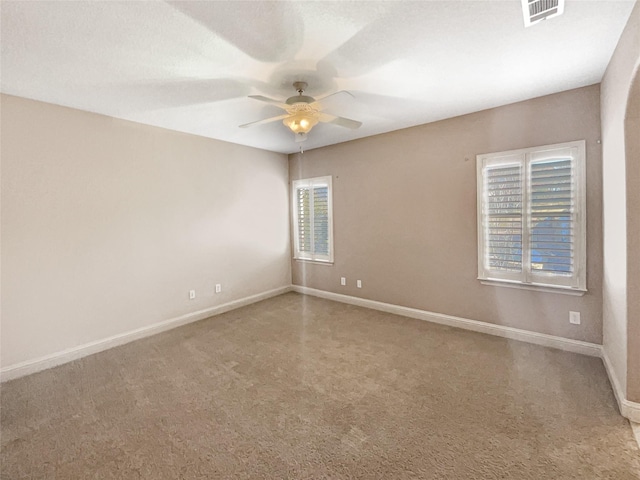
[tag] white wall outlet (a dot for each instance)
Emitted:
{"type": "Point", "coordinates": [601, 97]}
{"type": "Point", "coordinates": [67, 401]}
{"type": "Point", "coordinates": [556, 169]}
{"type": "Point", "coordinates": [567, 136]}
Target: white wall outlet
{"type": "Point", "coordinates": [218, 288]}
{"type": "Point", "coordinates": [359, 283]}
{"type": "Point", "coordinates": [192, 294]}
{"type": "Point", "coordinates": [574, 318]}
{"type": "Point", "coordinates": [343, 280]}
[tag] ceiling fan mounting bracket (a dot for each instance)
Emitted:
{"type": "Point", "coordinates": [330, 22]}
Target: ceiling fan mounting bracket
{"type": "Point", "coordinates": [300, 87]}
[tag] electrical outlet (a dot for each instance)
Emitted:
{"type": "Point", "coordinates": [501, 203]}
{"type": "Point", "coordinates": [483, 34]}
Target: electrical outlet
{"type": "Point", "coordinates": [343, 281]}
{"type": "Point", "coordinates": [574, 318]}
{"type": "Point", "coordinates": [192, 294]}
{"type": "Point", "coordinates": [359, 283]}
{"type": "Point", "coordinates": [218, 288]}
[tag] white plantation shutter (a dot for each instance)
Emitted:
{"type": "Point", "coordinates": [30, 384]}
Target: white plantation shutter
{"type": "Point", "coordinates": [303, 198]}
{"type": "Point", "coordinates": [531, 214]}
{"type": "Point", "coordinates": [502, 217]}
{"type": "Point", "coordinates": [551, 221]}
{"type": "Point", "coordinates": [321, 220]}
{"type": "Point", "coordinates": [313, 219]}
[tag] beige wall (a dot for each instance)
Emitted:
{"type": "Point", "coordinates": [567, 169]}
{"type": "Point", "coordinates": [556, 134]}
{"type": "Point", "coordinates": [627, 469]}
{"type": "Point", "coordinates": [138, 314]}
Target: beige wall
{"type": "Point", "coordinates": [107, 224]}
{"type": "Point", "coordinates": [614, 100]}
{"type": "Point", "coordinates": [405, 214]}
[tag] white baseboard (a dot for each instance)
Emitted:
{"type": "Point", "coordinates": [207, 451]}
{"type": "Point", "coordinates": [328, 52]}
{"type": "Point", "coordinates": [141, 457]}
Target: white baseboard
{"type": "Point", "coordinates": [631, 410]}
{"type": "Point", "coordinates": [635, 427]}
{"type": "Point", "coordinates": [552, 341]}
{"type": "Point", "coordinates": [628, 409]}
{"type": "Point", "coordinates": [42, 363]}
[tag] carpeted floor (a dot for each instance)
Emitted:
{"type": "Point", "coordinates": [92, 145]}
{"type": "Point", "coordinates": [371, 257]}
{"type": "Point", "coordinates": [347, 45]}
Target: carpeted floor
{"type": "Point", "coordinates": [298, 387]}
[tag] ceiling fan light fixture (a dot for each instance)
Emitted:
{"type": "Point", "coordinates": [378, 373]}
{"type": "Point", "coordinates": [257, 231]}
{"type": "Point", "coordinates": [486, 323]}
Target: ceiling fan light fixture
{"type": "Point", "coordinates": [300, 122]}
{"type": "Point", "coordinates": [302, 113]}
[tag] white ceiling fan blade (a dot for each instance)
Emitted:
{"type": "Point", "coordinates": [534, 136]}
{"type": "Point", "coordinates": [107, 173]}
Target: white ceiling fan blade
{"type": "Point", "coordinates": [318, 106]}
{"type": "Point", "coordinates": [149, 96]}
{"type": "Point", "coordinates": [341, 121]}
{"type": "Point", "coordinates": [266, 120]}
{"type": "Point", "coordinates": [240, 24]}
{"type": "Point", "coordinates": [364, 52]}
{"type": "Point", "coordinates": [271, 101]}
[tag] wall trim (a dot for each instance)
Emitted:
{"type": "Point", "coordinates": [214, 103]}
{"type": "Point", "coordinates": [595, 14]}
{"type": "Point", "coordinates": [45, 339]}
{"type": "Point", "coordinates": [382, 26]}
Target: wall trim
{"type": "Point", "coordinates": [576, 346]}
{"type": "Point", "coordinates": [42, 363]}
{"type": "Point", "coordinates": [628, 409]}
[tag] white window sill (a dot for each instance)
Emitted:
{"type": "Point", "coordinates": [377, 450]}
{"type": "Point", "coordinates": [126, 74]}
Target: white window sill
{"type": "Point", "coordinates": [317, 262]}
{"type": "Point", "coordinates": [538, 288]}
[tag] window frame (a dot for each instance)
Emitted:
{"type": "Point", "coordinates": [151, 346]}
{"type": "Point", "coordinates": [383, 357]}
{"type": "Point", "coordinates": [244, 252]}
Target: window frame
{"type": "Point", "coordinates": [527, 278]}
{"type": "Point", "coordinates": [325, 181]}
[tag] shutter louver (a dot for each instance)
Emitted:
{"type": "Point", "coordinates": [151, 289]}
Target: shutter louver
{"type": "Point", "coordinates": [502, 218]}
{"type": "Point", "coordinates": [552, 206]}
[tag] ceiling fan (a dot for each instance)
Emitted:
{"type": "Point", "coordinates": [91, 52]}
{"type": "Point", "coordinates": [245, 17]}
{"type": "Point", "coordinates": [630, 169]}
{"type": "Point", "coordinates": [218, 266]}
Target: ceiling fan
{"type": "Point", "coordinates": [303, 113]}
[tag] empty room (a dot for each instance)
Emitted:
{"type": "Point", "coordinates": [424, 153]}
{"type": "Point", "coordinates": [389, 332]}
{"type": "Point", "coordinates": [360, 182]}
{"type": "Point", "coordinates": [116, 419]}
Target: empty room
{"type": "Point", "coordinates": [320, 240]}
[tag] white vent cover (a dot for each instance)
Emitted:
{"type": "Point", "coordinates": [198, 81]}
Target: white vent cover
{"type": "Point", "coordinates": [536, 10]}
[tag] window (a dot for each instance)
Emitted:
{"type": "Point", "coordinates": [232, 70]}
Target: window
{"type": "Point", "coordinates": [312, 219]}
{"type": "Point", "coordinates": [531, 217]}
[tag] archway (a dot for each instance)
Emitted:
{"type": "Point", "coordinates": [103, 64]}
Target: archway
{"type": "Point", "coordinates": [632, 166]}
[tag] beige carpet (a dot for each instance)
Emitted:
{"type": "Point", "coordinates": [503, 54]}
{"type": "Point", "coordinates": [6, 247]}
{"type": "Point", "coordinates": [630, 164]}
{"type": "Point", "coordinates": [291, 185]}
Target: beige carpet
{"type": "Point", "coordinates": [298, 387]}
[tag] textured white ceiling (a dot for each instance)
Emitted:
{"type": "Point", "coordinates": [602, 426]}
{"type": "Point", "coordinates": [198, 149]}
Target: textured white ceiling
{"type": "Point", "coordinates": [189, 66]}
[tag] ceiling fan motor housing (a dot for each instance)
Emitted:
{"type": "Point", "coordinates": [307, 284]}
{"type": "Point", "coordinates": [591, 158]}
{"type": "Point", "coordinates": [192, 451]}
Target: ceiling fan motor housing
{"type": "Point", "coordinates": [300, 99]}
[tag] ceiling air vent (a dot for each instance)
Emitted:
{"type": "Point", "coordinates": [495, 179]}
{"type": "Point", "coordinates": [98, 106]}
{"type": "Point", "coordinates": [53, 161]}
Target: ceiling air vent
{"type": "Point", "coordinates": [536, 10]}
